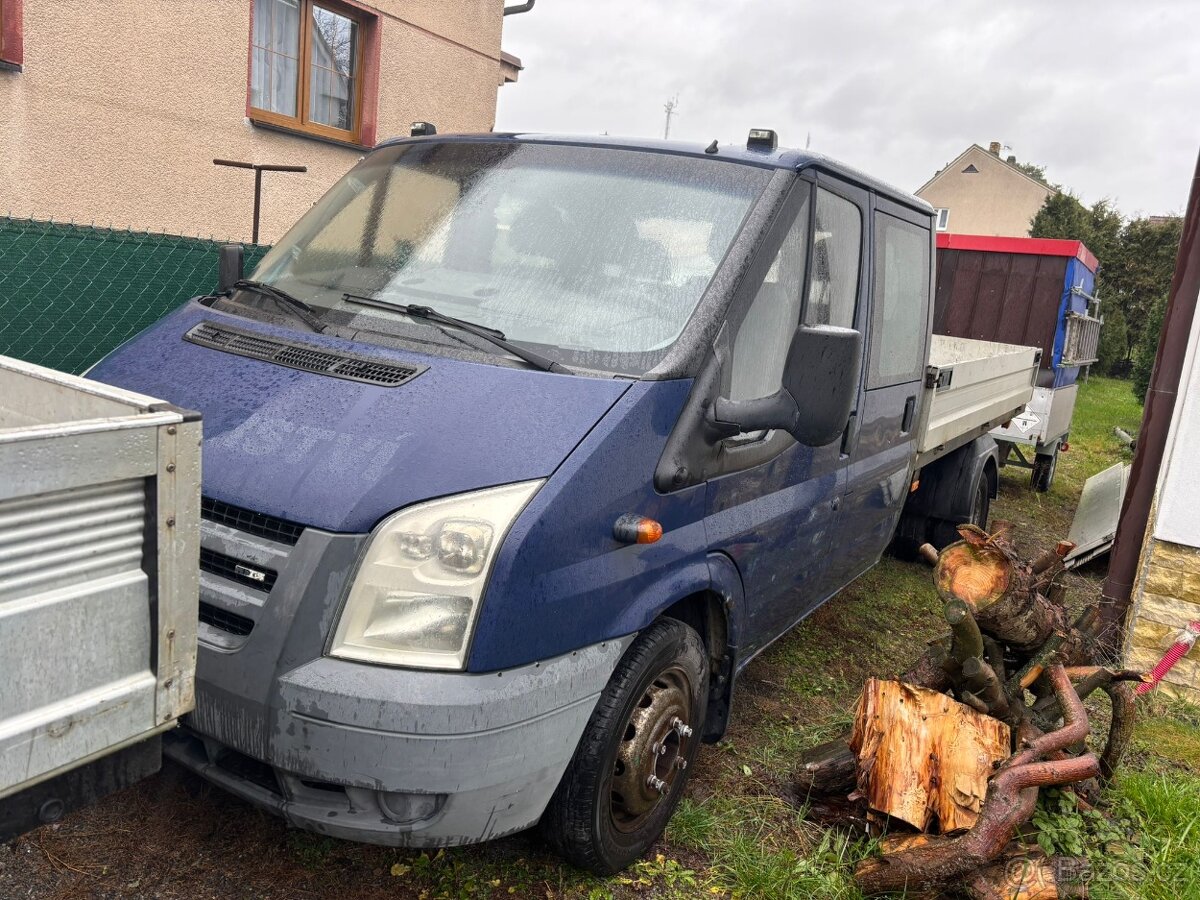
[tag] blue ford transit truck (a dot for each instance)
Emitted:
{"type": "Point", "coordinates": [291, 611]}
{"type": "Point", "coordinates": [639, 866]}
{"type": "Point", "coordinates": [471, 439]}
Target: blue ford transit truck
{"type": "Point", "coordinates": [518, 448]}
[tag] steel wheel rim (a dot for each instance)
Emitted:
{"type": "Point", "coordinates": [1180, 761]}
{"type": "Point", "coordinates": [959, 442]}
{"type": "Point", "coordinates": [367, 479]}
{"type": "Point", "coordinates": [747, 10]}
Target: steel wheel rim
{"type": "Point", "coordinates": [652, 754]}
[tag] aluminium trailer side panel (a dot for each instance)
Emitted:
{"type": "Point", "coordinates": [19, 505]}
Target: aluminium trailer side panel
{"type": "Point", "coordinates": [971, 386]}
{"type": "Point", "coordinates": [99, 557]}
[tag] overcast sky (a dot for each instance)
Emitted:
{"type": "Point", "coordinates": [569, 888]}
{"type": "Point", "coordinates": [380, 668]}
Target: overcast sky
{"type": "Point", "coordinates": [1106, 95]}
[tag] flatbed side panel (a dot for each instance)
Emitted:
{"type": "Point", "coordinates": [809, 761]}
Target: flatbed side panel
{"type": "Point", "coordinates": [982, 383]}
{"type": "Point", "coordinates": [35, 395]}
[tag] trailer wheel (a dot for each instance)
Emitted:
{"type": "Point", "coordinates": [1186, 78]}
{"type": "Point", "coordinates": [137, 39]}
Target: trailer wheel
{"type": "Point", "coordinates": [1042, 476]}
{"type": "Point", "coordinates": [632, 763]}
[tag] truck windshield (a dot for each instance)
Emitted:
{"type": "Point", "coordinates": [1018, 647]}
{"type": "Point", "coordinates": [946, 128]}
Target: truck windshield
{"type": "Point", "coordinates": [598, 256]}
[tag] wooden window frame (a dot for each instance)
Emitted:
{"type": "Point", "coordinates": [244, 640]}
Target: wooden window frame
{"type": "Point", "coordinates": [366, 100]}
{"type": "Point", "coordinates": [12, 39]}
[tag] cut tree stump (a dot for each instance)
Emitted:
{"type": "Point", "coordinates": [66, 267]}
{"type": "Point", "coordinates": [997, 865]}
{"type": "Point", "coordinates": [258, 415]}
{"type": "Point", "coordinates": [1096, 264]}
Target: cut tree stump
{"type": "Point", "coordinates": [923, 757]}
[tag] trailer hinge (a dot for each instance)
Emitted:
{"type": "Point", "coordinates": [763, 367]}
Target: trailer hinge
{"type": "Point", "coordinates": [938, 378]}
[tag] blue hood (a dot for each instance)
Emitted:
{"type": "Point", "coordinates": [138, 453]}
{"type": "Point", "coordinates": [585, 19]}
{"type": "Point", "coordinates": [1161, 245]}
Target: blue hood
{"type": "Point", "coordinates": [340, 455]}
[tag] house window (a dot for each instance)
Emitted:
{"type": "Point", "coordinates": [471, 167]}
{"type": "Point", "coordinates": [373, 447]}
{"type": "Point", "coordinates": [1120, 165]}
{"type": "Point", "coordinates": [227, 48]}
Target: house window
{"type": "Point", "coordinates": [313, 68]}
{"type": "Point", "coordinates": [943, 219]}
{"type": "Point", "coordinates": [11, 41]}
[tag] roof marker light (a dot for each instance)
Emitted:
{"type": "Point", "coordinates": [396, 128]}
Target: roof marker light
{"type": "Point", "coordinates": [762, 139]}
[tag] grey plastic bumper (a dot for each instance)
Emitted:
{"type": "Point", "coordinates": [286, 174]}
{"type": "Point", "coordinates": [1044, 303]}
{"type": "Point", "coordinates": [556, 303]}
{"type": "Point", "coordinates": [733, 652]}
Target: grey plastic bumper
{"type": "Point", "coordinates": [410, 758]}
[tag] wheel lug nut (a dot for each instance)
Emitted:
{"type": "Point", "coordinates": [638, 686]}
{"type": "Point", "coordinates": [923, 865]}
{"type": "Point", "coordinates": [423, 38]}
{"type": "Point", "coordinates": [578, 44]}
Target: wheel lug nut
{"type": "Point", "coordinates": [680, 762]}
{"type": "Point", "coordinates": [657, 783]}
{"type": "Point", "coordinates": [681, 729]}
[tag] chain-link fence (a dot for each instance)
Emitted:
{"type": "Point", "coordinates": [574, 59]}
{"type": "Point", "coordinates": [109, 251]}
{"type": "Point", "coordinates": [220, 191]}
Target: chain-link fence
{"type": "Point", "coordinates": [71, 293]}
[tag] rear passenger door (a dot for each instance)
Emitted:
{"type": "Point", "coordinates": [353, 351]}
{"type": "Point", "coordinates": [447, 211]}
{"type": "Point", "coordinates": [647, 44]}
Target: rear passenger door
{"type": "Point", "coordinates": [878, 447]}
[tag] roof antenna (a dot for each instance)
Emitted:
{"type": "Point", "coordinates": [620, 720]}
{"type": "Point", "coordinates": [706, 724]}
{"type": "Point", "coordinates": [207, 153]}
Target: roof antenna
{"type": "Point", "coordinates": [711, 148]}
{"type": "Point", "coordinates": [808, 141]}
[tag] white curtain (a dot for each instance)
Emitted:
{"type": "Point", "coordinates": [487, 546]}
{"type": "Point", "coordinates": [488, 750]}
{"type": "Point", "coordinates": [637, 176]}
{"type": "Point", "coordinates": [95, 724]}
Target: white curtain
{"type": "Point", "coordinates": [274, 73]}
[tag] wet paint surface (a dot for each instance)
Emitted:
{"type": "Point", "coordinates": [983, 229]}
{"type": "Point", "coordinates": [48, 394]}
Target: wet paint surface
{"type": "Point", "coordinates": [340, 454]}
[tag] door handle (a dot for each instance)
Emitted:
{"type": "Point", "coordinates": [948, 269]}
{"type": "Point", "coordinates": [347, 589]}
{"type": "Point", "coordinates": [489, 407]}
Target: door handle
{"type": "Point", "coordinates": [910, 408]}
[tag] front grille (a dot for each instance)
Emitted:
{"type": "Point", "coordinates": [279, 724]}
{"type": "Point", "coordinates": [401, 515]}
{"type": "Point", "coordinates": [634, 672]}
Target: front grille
{"type": "Point", "coordinates": [270, 527]}
{"type": "Point", "coordinates": [231, 623]}
{"type": "Point", "coordinates": [236, 570]}
{"type": "Point", "coordinates": [305, 357]}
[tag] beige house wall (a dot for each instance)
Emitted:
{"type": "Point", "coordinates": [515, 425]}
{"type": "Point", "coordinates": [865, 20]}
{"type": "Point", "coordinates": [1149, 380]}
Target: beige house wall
{"type": "Point", "coordinates": [122, 105]}
{"type": "Point", "coordinates": [996, 200]}
{"type": "Point", "coordinates": [1167, 598]}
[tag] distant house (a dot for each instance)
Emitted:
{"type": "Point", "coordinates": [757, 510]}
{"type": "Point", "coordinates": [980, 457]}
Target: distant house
{"type": "Point", "coordinates": [980, 193]}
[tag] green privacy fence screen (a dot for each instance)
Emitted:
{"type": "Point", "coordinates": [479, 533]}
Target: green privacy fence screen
{"type": "Point", "coordinates": [71, 293]}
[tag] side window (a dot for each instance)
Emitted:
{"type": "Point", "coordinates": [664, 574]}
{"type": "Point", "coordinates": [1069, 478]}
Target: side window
{"type": "Point", "coordinates": [837, 250]}
{"type": "Point", "coordinates": [898, 319]}
{"type": "Point", "coordinates": [761, 346]}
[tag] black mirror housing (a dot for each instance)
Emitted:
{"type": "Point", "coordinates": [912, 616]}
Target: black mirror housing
{"type": "Point", "coordinates": [230, 264]}
{"type": "Point", "coordinates": [817, 396]}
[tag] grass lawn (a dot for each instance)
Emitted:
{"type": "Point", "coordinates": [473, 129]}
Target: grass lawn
{"type": "Point", "coordinates": [741, 831]}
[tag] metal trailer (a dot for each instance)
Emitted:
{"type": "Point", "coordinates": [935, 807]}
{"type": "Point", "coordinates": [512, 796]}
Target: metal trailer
{"type": "Point", "coordinates": [1025, 291]}
{"type": "Point", "coordinates": [99, 585]}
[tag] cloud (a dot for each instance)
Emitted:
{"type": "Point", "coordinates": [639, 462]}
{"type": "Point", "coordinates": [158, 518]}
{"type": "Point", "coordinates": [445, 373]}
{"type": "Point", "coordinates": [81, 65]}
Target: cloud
{"type": "Point", "coordinates": [1103, 94]}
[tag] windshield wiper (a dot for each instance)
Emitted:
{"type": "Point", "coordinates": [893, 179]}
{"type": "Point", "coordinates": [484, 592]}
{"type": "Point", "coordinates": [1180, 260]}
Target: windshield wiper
{"type": "Point", "coordinates": [283, 299]}
{"type": "Point", "coordinates": [492, 335]}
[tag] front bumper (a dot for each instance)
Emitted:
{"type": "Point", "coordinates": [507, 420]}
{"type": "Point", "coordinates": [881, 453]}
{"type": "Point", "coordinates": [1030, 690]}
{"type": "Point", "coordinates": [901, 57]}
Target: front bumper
{"type": "Point", "coordinates": [412, 758]}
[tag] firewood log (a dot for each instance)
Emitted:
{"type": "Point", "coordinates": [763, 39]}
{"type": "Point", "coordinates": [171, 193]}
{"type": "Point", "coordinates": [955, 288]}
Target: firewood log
{"type": "Point", "coordinates": [923, 758]}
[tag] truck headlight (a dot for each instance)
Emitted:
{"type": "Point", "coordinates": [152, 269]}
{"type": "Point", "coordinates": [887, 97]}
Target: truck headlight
{"type": "Point", "coordinates": [416, 594]}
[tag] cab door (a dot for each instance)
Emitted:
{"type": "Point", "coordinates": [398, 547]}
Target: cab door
{"type": "Point", "coordinates": [773, 506]}
{"type": "Point", "coordinates": [880, 444]}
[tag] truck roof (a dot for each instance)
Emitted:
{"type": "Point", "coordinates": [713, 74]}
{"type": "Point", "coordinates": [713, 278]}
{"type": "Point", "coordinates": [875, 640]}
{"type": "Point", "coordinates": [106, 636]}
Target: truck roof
{"type": "Point", "coordinates": [780, 158]}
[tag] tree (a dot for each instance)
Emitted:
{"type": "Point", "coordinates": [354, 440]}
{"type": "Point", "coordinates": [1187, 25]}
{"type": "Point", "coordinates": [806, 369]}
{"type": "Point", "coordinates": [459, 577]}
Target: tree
{"type": "Point", "coordinates": [1113, 352]}
{"type": "Point", "coordinates": [1033, 170]}
{"type": "Point", "coordinates": [1141, 272]}
{"type": "Point", "coordinates": [1147, 348]}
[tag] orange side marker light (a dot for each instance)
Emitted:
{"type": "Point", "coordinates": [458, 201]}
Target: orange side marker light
{"type": "Point", "coordinates": [634, 529]}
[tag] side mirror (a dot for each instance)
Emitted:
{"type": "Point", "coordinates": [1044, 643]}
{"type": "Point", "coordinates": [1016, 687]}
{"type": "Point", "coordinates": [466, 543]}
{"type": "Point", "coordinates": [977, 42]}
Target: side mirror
{"type": "Point", "coordinates": [230, 262]}
{"type": "Point", "coordinates": [819, 388]}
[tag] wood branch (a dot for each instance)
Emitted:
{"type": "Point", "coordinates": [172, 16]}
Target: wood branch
{"type": "Point", "coordinates": [983, 682]}
{"type": "Point", "coordinates": [967, 641]}
{"type": "Point", "coordinates": [1030, 877]}
{"type": "Point", "coordinates": [1010, 802]}
{"type": "Point", "coordinates": [923, 758]}
{"type": "Point", "coordinates": [830, 768]}
{"type": "Point", "coordinates": [1120, 728]}
{"type": "Point", "coordinates": [1075, 723]}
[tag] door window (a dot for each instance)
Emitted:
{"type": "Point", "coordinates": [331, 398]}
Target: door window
{"type": "Point", "coordinates": [837, 248]}
{"type": "Point", "coordinates": [901, 302]}
{"type": "Point", "coordinates": [761, 346]}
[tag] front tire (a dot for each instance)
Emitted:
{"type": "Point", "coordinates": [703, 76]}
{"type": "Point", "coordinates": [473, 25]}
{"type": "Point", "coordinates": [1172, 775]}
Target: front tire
{"type": "Point", "coordinates": [633, 761]}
